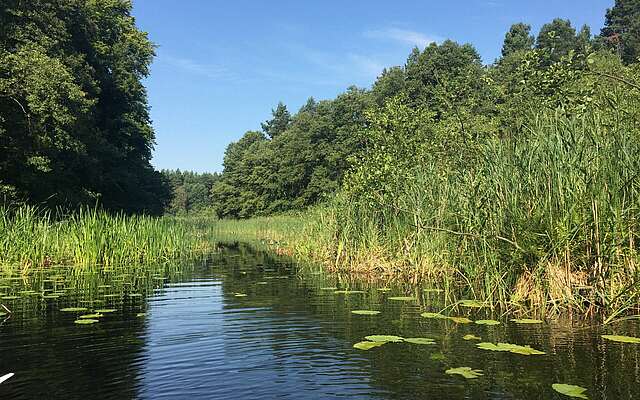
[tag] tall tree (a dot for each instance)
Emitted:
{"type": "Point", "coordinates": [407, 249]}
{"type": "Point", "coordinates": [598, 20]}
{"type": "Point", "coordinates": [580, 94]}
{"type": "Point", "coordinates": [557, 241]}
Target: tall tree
{"type": "Point", "coordinates": [621, 30]}
{"type": "Point", "coordinates": [279, 123]}
{"type": "Point", "coordinates": [557, 39]}
{"type": "Point", "coordinates": [518, 38]}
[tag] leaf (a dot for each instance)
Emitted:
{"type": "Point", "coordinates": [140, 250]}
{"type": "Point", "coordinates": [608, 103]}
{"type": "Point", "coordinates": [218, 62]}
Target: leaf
{"type": "Point", "coordinates": [74, 309]}
{"type": "Point", "coordinates": [402, 298]}
{"type": "Point", "coordinates": [511, 348]}
{"type": "Point", "coordinates": [460, 320]}
{"type": "Point", "coordinates": [384, 289]}
{"type": "Point", "coordinates": [570, 390]}
{"type": "Point", "coordinates": [433, 290]}
{"type": "Point", "coordinates": [472, 304]}
{"type": "Point", "coordinates": [527, 321]}
{"type": "Point", "coordinates": [140, 315]}
{"type": "Point", "coordinates": [365, 312]}
{"type": "Point", "coordinates": [367, 345]}
{"type": "Point", "coordinates": [240, 295]}
{"type": "Point", "coordinates": [622, 339]}
{"type": "Point", "coordinates": [90, 316]}
{"type": "Point", "coordinates": [471, 337]}
{"type": "Point", "coordinates": [348, 292]}
{"type": "Point", "coordinates": [86, 321]}
{"type": "Point", "coordinates": [329, 288]}
{"type": "Point", "coordinates": [384, 338]}
{"type": "Point", "coordinates": [489, 322]}
{"type": "Point", "coordinates": [465, 372]}
{"type": "Point", "coordinates": [420, 340]}
{"type": "Point", "coordinates": [433, 315]}
{"type": "Point", "coordinates": [106, 311]}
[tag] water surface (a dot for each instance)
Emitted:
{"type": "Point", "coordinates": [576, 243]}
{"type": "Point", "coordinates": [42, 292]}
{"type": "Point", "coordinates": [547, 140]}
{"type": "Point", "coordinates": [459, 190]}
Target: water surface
{"type": "Point", "coordinates": [246, 325]}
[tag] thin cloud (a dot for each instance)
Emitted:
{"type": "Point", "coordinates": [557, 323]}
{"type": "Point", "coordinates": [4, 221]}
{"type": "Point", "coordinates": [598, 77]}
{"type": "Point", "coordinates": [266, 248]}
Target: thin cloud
{"type": "Point", "coordinates": [193, 67]}
{"type": "Point", "coordinates": [405, 36]}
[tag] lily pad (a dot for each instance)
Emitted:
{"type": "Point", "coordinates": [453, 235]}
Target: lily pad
{"type": "Point", "coordinates": [472, 303]}
{"type": "Point", "coordinates": [365, 312]}
{"type": "Point", "coordinates": [432, 315]}
{"type": "Point", "coordinates": [527, 321]}
{"type": "Point", "coordinates": [460, 320]}
{"type": "Point", "coordinates": [106, 311]}
{"type": "Point", "coordinates": [511, 348]}
{"type": "Point", "coordinates": [240, 295]}
{"type": "Point", "coordinates": [367, 345]}
{"type": "Point", "coordinates": [74, 309]}
{"type": "Point", "coordinates": [91, 316]}
{"type": "Point", "coordinates": [433, 290]}
{"type": "Point", "coordinates": [622, 339]}
{"type": "Point", "coordinates": [402, 298]}
{"type": "Point", "coordinates": [420, 340]}
{"type": "Point", "coordinates": [329, 288]}
{"type": "Point", "coordinates": [570, 390]}
{"type": "Point", "coordinates": [51, 296]}
{"type": "Point", "coordinates": [466, 372]}
{"type": "Point", "coordinates": [262, 283]}
{"type": "Point", "coordinates": [489, 322]}
{"type": "Point", "coordinates": [471, 337]}
{"type": "Point", "coordinates": [384, 289]}
{"type": "Point", "coordinates": [384, 338]}
{"type": "Point", "coordinates": [86, 321]}
{"type": "Point", "coordinates": [139, 315]}
{"type": "Point", "coordinates": [348, 292]}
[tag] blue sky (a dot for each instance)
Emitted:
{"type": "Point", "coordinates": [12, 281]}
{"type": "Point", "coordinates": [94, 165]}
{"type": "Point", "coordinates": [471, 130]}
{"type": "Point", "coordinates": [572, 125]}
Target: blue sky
{"type": "Point", "coordinates": [221, 66]}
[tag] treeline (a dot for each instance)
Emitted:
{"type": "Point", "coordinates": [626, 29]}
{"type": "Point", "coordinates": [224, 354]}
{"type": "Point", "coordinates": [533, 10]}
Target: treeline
{"type": "Point", "coordinates": [191, 192]}
{"type": "Point", "coordinates": [74, 119]}
{"type": "Point", "coordinates": [301, 159]}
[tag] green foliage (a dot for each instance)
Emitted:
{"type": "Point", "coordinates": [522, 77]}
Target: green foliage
{"type": "Point", "coordinates": [74, 121]}
{"type": "Point", "coordinates": [191, 192]}
{"type": "Point", "coordinates": [621, 31]}
{"type": "Point", "coordinates": [518, 38]}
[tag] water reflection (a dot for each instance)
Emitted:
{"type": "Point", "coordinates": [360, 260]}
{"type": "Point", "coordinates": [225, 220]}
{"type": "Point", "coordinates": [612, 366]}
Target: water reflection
{"type": "Point", "coordinates": [287, 338]}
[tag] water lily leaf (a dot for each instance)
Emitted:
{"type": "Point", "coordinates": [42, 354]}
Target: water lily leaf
{"type": "Point", "coordinates": [402, 298]}
{"type": "Point", "coordinates": [460, 320]}
{"type": "Point", "coordinates": [384, 338]}
{"type": "Point", "coordinates": [433, 290]}
{"type": "Point", "coordinates": [511, 348]}
{"type": "Point", "coordinates": [365, 312]}
{"type": "Point", "coordinates": [74, 309]}
{"type": "Point", "coordinates": [433, 315]}
{"type": "Point", "coordinates": [570, 390]}
{"type": "Point", "coordinates": [527, 321]}
{"type": "Point", "coordinates": [437, 357]}
{"type": "Point", "coordinates": [384, 289]}
{"type": "Point", "coordinates": [329, 288]}
{"type": "Point", "coordinates": [471, 337]}
{"type": "Point", "coordinates": [51, 296]}
{"type": "Point", "coordinates": [472, 304]}
{"type": "Point", "coordinates": [348, 292]}
{"type": "Point", "coordinates": [465, 372]}
{"type": "Point", "coordinates": [240, 295]}
{"type": "Point", "coordinates": [106, 311]}
{"type": "Point", "coordinates": [489, 322]}
{"type": "Point", "coordinates": [86, 321]}
{"type": "Point", "coordinates": [135, 294]}
{"type": "Point", "coordinates": [367, 345]}
{"type": "Point", "coordinates": [420, 340]}
{"type": "Point", "coordinates": [622, 339]}
{"type": "Point", "coordinates": [91, 316]}
{"type": "Point", "coordinates": [139, 315]}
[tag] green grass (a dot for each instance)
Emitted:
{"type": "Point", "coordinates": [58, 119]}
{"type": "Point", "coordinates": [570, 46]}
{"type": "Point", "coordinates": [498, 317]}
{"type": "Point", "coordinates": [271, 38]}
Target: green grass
{"type": "Point", "coordinates": [32, 238]}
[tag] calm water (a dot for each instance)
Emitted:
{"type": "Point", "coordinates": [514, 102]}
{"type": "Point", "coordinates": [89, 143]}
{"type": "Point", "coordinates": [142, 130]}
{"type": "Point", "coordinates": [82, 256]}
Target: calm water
{"type": "Point", "coordinates": [286, 339]}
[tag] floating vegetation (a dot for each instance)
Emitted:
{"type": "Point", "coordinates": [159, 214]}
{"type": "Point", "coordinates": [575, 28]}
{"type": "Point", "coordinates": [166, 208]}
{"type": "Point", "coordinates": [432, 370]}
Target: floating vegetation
{"type": "Point", "coordinates": [466, 372]}
{"type": "Point", "coordinates": [74, 309]}
{"type": "Point", "coordinates": [91, 316]}
{"type": "Point", "coordinates": [420, 340]}
{"type": "Point", "coordinates": [10, 298]}
{"type": "Point", "coordinates": [384, 338]}
{"type": "Point", "coordinates": [365, 312]}
{"type": "Point", "coordinates": [527, 321]}
{"type": "Point", "coordinates": [460, 320]}
{"type": "Point", "coordinates": [329, 288]}
{"type": "Point", "coordinates": [457, 320]}
{"type": "Point", "coordinates": [264, 283]}
{"type": "Point", "coordinates": [367, 345]}
{"type": "Point", "coordinates": [86, 321]}
{"type": "Point", "coordinates": [240, 295]}
{"type": "Point", "coordinates": [511, 348]}
{"type": "Point", "coordinates": [433, 290]}
{"type": "Point", "coordinates": [570, 390]}
{"type": "Point", "coordinates": [622, 339]}
{"type": "Point", "coordinates": [402, 298]}
{"type": "Point", "coordinates": [489, 322]}
{"type": "Point", "coordinates": [384, 289]}
{"type": "Point", "coordinates": [437, 357]}
{"type": "Point", "coordinates": [472, 304]}
{"type": "Point", "coordinates": [348, 292]}
{"type": "Point", "coordinates": [51, 296]}
{"type": "Point", "coordinates": [139, 315]}
{"type": "Point", "coordinates": [135, 295]}
{"type": "Point", "coordinates": [106, 311]}
{"type": "Point", "coordinates": [471, 337]}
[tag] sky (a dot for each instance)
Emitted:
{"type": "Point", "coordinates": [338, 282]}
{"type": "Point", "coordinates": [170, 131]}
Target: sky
{"type": "Point", "coordinates": [221, 66]}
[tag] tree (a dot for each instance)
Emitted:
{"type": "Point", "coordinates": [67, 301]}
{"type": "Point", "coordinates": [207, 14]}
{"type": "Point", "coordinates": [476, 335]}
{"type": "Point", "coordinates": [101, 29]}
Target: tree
{"type": "Point", "coordinates": [518, 38]}
{"type": "Point", "coordinates": [621, 30]}
{"type": "Point", "coordinates": [557, 39]}
{"type": "Point", "coordinates": [279, 123]}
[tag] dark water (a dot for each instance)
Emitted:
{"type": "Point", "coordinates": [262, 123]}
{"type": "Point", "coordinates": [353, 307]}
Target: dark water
{"type": "Point", "coordinates": [286, 339]}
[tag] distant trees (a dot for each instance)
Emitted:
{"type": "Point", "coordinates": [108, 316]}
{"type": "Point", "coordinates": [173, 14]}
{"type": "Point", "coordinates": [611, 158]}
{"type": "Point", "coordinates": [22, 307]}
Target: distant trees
{"type": "Point", "coordinates": [518, 38]}
{"type": "Point", "coordinates": [191, 191]}
{"type": "Point", "coordinates": [621, 30]}
{"type": "Point", "coordinates": [74, 120]}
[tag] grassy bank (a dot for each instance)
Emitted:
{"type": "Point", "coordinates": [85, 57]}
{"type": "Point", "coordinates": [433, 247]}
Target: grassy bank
{"type": "Point", "coordinates": [33, 238]}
